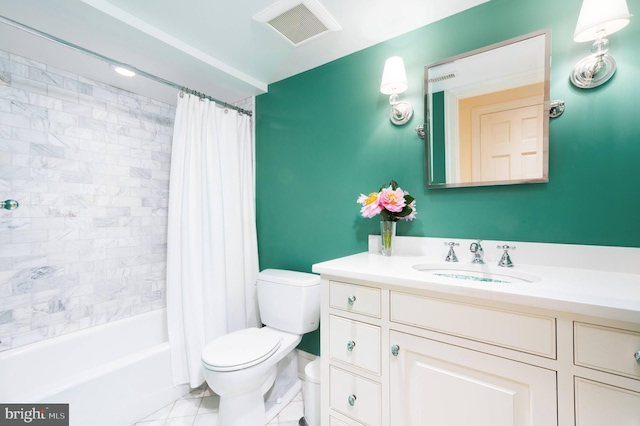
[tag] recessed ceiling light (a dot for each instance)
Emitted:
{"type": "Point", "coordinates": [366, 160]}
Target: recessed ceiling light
{"type": "Point", "coordinates": [124, 71]}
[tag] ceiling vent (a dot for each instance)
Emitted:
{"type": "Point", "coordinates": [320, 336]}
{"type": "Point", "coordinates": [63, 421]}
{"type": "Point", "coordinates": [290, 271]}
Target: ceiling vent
{"type": "Point", "coordinates": [298, 21]}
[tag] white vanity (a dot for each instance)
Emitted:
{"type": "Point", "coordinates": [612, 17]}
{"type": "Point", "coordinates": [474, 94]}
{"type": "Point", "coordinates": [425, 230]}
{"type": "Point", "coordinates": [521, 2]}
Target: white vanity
{"type": "Point", "coordinates": [412, 340]}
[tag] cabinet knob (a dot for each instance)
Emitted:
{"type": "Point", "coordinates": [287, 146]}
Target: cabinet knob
{"type": "Point", "coordinates": [637, 357]}
{"type": "Point", "coordinates": [351, 299]}
{"type": "Point", "coordinates": [351, 344]}
{"type": "Point", "coordinates": [395, 349]}
{"type": "Point", "coordinates": [352, 400]}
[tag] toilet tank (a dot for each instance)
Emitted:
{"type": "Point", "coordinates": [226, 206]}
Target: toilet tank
{"type": "Point", "coordinates": [289, 300]}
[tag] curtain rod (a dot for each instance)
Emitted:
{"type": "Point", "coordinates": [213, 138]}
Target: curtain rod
{"type": "Point", "coordinates": [138, 71]}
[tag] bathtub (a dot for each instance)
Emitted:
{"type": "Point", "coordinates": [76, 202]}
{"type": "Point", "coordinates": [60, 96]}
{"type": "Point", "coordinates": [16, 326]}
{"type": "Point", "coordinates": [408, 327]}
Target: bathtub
{"type": "Point", "coordinates": [111, 375]}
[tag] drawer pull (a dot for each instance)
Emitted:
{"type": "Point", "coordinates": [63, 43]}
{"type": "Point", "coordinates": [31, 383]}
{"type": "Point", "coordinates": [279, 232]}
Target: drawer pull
{"type": "Point", "coordinates": [351, 299]}
{"type": "Point", "coordinates": [350, 345]}
{"type": "Point", "coordinates": [395, 349]}
{"type": "Point", "coordinates": [637, 357]}
{"type": "Point", "coordinates": [352, 400]}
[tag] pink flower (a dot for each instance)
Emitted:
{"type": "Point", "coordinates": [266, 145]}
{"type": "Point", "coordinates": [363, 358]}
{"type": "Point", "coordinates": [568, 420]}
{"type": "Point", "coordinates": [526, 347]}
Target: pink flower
{"type": "Point", "coordinates": [371, 206]}
{"type": "Point", "coordinates": [392, 200]}
{"type": "Point", "coordinates": [413, 213]}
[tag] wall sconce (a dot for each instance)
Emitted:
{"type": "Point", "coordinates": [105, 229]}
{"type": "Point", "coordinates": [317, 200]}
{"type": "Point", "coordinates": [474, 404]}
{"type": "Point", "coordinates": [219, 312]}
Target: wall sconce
{"type": "Point", "coordinates": [598, 18]}
{"type": "Point", "coordinates": [394, 81]}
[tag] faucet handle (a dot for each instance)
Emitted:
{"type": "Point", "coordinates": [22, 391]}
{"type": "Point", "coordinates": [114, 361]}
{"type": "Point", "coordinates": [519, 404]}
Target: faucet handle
{"type": "Point", "coordinates": [505, 260]}
{"type": "Point", "coordinates": [451, 256]}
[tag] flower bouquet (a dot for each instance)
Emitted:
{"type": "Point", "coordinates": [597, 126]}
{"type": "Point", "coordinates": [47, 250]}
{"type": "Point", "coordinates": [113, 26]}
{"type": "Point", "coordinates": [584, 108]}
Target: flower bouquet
{"type": "Point", "coordinates": [393, 204]}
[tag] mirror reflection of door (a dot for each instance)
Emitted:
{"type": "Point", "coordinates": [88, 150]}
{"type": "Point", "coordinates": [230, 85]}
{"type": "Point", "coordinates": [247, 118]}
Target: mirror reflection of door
{"type": "Point", "coordinates": [501, 135]}
{"type": "Point", "coordinates": [507, 141]}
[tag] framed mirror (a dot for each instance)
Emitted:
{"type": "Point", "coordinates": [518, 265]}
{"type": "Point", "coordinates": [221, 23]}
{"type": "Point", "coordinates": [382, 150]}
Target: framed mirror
{"type": "Point", "coordinates": [487, 115]}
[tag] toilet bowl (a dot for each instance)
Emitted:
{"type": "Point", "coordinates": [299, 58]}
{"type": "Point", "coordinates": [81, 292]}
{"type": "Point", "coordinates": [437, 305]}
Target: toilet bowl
{"type": "Point", "coordinates": [244, 366]}
{"type": "Point", "coordinates": [245, 372]}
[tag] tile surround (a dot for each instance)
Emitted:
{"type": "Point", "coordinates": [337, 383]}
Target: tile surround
{"type": "Point", "coordinates": [89, 165]}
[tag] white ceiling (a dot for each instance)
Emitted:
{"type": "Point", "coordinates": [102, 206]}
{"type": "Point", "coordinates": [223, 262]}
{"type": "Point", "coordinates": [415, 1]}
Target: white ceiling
{"type": "Point", "coordinates": [211, 46]}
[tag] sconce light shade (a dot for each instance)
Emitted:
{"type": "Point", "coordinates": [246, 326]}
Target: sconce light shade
{"type": "Point", "coordinates": [597, 19]}
{"type": "Point", "coordinates": [601, 15]}
{"type": "Point", "coordinates": [394, 77]}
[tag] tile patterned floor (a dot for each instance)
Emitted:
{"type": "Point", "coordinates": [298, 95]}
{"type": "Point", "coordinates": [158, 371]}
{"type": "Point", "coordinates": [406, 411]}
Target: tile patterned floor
{"type": "Point", "coordinates": [200, 408]}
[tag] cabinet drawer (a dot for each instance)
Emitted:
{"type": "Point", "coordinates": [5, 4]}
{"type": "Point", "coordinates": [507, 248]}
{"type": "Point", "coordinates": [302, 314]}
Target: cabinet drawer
{"type": "Point", "coordinates": [607, 349]}
{"type": "Point", "coordinates": [335, 422]}
{"type": "Point", "coordinates": [354, 298]}
{"type": "Point", "coordinates": [523, 332]}
{"type": "Point", "coordinates": [355, 343]}
{"type": "Point", "coordinates": [366, 396]}
{"type": "Point", "coordinates": [599, 404]}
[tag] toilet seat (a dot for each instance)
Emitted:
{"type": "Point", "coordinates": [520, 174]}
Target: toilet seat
{"type": "Point", "coordinates": [240, 349]}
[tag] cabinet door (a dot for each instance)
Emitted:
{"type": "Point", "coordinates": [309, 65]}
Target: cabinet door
{"type": "Point", "coordinates": [437, 384]}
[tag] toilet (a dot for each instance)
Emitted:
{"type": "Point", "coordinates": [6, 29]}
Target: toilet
{"type": "Point", "coordinates": [255, 371]}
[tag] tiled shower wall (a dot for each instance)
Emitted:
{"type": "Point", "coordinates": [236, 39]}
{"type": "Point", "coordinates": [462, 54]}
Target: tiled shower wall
{"type": "Point", "coordinates": [89, 165]}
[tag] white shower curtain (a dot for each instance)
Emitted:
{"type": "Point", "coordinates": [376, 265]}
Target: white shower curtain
{"type": "Point", "coordinates": [212, 254]}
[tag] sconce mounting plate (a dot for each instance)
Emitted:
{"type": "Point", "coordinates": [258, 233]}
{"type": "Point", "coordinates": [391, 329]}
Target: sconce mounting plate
{"type": "Point", "coordinates": [400, 113]}
{"type": "Point", "coordinates": [593, 71]}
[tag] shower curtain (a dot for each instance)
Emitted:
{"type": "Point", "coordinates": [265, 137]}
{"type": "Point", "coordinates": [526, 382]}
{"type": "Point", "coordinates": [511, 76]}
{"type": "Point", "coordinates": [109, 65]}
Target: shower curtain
{"type": "Point", "coordinates": [212, 255]}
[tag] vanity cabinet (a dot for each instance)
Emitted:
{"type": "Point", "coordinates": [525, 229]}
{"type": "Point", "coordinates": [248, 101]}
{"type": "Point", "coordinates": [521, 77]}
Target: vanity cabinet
{"type": "Point", "coordinates": [401, 356]}
{"type": "Point", "coordinates": [615, 352]}
{"type": "Point", "coordinates": [435, 383]}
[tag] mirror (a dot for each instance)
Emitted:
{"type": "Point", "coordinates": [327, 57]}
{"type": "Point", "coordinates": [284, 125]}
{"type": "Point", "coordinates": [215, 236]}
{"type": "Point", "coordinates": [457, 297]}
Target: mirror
{"type": "Point", "coordinates": [487, 115]}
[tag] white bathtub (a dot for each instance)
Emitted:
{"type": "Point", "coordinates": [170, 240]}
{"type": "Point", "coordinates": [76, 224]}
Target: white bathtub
{"type": "Point", "coordinates": [111, 375]}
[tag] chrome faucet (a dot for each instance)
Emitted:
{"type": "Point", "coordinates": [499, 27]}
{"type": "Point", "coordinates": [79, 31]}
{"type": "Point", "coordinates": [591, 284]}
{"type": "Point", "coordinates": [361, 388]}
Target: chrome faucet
{"type": "Point", "coordinates": [478, 252]}
{"type": "Point", "coordinates": [505, 260]}
{"type": "Point", "coordinates": [451, 256]}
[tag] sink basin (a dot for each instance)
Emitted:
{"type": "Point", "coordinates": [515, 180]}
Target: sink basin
{"type": "Point", "coordinates": [482, 273]}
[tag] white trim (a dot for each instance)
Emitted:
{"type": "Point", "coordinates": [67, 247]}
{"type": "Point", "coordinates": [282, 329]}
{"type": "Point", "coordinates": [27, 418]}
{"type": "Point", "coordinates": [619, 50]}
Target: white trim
{"type": "Point", "coordinates": [139, 24]}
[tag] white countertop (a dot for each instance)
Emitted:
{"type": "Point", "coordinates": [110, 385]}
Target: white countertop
{"type": "Point", "coordinates": [593, 292]}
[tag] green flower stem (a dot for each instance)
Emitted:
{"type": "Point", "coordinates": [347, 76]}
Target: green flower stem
{"type": "Point", "coordinates": [387, 233]}
{"type": "Point", "coordinates": [386, 239]}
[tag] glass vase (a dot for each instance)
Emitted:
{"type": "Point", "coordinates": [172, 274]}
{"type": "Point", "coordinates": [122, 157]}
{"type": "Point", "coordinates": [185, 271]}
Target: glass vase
{"type": "Point", "coordinates": [387, 237]}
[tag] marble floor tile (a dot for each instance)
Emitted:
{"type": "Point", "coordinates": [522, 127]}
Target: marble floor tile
{"type": "Point", "coordinates": [200, 408]}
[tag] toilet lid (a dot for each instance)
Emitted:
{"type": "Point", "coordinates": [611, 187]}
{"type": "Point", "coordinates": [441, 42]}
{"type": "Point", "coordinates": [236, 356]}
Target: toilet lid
{"type": "Point", "coordinates": [240, 349]}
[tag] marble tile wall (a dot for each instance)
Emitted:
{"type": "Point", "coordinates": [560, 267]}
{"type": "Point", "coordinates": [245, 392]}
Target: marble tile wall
{"type": "Point", "coordinates": [89, 165]}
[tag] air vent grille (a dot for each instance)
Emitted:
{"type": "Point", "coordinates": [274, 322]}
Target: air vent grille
{"type": "Point", "coordinates": [298, 24]}
{"type": "Point", "coordinates": [442, 77]}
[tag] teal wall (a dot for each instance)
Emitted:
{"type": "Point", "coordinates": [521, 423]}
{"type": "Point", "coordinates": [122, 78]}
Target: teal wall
{"type": "Point", "coordinates": [323, 137]}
